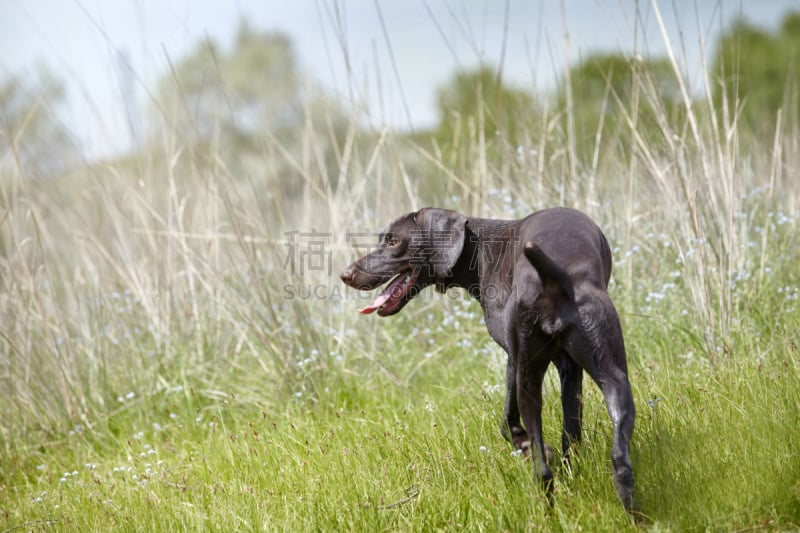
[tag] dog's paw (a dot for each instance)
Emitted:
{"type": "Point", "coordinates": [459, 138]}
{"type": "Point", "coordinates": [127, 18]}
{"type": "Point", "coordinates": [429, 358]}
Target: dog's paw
{"type": "Point", "coordinates": [525, 447]}
{"type": "Point", "coordinates": [549, 458]}
{"type": "Point", "coordinates": [520, 439]}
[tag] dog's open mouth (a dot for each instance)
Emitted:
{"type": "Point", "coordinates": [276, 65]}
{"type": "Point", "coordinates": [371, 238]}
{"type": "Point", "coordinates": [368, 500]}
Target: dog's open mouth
{"type": "Point", "coordinates": [394, 295]}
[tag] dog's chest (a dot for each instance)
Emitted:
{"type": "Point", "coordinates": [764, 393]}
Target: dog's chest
{"type": "Point", "coordinates": [496, 326]}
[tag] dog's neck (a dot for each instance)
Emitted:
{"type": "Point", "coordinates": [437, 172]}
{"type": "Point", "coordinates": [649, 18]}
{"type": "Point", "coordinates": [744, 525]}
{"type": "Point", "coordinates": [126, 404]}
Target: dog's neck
{"type": "Point", "coordinates": [466, 271]}
{"type": "Point", "coordinates": [482, 257]}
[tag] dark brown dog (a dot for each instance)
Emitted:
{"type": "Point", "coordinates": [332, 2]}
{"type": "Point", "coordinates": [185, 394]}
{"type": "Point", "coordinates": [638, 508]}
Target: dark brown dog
{"type": "Point", "coordinates": [541, 282]}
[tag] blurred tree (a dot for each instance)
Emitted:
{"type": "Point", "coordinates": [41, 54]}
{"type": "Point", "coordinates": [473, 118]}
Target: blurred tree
{"type": "Point", "coordinates": [611, 91]}
{"type": "Point", "coordinates": [234, 95]}
{"type": "Point", "coordinates": [249, 105]}
{"type": "Point", "coordinates": [760, 69]}
{"type": "Point", "coordinates": [31, 134]}
{"type": "Point", "coordinates": [477, 96]}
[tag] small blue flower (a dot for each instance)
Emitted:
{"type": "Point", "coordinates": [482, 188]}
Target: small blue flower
{"type": "Point", "coordinates": [653, 402]}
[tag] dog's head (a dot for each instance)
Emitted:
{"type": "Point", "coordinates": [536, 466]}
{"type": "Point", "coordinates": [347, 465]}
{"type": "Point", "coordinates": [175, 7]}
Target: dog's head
{"type": "Point", "coordinates": [416, 250]}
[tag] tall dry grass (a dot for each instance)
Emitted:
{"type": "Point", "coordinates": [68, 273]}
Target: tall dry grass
{"type": "Point", "coordinates": [170, 270]}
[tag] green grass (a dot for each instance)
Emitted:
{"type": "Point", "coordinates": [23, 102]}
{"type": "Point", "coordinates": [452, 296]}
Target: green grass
{"type": "Point", "coordinates": [715, 449]}
{"type": "Point", "coordinates": [157, 380]}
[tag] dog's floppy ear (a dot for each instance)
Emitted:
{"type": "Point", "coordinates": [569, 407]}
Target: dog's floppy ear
{"type": "Point", "coordinates": [442, 231]}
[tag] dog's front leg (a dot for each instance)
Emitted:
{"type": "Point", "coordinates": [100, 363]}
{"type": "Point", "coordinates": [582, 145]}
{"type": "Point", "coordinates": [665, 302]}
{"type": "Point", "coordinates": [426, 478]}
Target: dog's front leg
{"type": "Point", "coordinates": [511, 427]}
{"type": "Point", "coordinates": [571, 375]}
{"type": "Point", "coordinates": [529, 377]}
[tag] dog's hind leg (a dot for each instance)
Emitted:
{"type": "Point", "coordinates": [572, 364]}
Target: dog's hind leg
{"type": "Point", "coordinates": [619, 402]}
{"type": "Point", "coordinates": [597, 345]}
{"type": "Point", "coordinates": [571, 375]}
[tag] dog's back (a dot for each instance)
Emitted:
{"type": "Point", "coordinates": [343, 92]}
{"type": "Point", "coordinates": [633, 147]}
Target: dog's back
{"type": "Point", "coordinates": [571, 241]}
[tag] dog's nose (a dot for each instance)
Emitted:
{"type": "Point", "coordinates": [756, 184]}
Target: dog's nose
{"type": "Point", "coordinates": [347, 274]}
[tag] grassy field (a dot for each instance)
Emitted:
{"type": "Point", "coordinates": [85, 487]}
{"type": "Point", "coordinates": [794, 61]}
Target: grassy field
{"type": "Point", "coordinates": [716, 450]}
{"type": "Point", "coordinates": [177, 351]}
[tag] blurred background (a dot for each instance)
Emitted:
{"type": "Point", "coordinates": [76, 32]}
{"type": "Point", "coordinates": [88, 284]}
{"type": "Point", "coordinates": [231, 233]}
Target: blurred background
{"type": "Point", "coordinates": [103, 75]}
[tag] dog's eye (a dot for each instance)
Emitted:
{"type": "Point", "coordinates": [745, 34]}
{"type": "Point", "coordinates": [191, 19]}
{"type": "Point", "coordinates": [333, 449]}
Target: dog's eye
{"type": "Point", "coordinates": [392, 242]}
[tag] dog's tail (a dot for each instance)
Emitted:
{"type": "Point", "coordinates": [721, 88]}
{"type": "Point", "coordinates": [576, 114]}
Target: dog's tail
{"type": "Point", "coordinates": [549, 271]}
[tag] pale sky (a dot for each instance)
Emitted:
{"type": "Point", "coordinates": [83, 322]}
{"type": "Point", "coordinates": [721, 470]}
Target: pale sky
{"type": "Point", "coordinates": [428, 40]}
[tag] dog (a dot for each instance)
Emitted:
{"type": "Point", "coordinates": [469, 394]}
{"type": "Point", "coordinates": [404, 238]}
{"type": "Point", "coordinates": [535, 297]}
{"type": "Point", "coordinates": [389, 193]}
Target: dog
{"type": "Point", "coordinates": [542, 284]}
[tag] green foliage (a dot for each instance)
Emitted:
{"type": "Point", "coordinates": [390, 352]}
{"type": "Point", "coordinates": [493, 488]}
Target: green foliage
{"type": "Point", "coordinates": [758, 70]}
{"type": "Point", "coordinates": [612, 94]}
{"type": "Point", "coordinates": [211, 93]}
{"type": "Point", "coordinates": [481, 123]}
{"type": "Point", "coordinates": [246, 105]}
{"type": "Point", "coordinates": [477, 101]}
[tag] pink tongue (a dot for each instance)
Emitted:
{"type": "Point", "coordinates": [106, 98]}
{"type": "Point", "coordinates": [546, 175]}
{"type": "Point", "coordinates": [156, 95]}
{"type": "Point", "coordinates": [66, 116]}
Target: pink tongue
{"type": "Point", "coordinates": [379, 301]}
